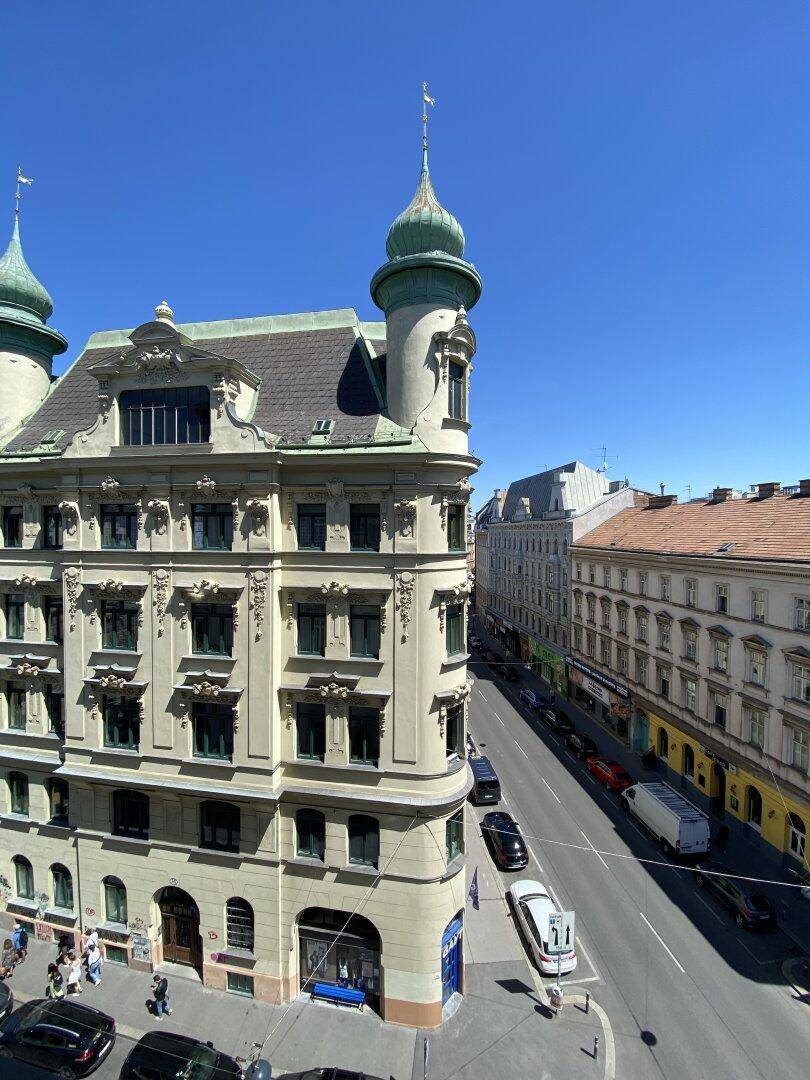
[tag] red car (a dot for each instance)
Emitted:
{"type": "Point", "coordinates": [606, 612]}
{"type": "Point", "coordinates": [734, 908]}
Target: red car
{"type": "Point", "coordinates": [610, 773]}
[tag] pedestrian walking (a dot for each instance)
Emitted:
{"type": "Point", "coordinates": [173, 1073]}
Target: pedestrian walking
{"type": "Point", "coordinates": [63, 947]}
{"type": "Point", "coordinates": [74, 977]}
{"type": "Point", "coordinates": [8, 960]}
{"type": "Point", "coordinates": [160, 992]}
{"type": "Point", "coordinates": [93, 960]}
{"type": "Point", "coordinates": [19, 939]}
{"type": "Point", "coordinates": [56, 983]}
{"type": "Point", "coordinates": [722, 838]}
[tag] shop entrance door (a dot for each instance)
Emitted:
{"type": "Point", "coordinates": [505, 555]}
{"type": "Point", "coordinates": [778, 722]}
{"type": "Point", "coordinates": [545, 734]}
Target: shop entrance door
{"type": "Point", "coordinates": [719, 800]}
{"type": "Point", "coordinates": [451, 960]}
{"type": "Point", "coordinates": [180, 924]}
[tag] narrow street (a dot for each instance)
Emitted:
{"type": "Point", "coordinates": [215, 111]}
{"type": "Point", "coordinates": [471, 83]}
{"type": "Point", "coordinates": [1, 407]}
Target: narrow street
{"type": "Point", "coordinates": [688, 994]}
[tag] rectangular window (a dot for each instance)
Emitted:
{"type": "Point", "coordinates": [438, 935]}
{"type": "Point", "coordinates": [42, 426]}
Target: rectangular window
{"type": "Point", "coordinates": [623, 580]}
{"type": "Point", "coordinates": [15, 616]}
{"type": "Point", "coordinates": [455, 527]}
{"type": "Point", "coordinates": [757, 667]}
{"type": "Point", "coordinates": [311, 629]}
{"type": "Point", "coordinates": [690, 592]}
{"type": "Point", "coordinates": [666, 587]}
{"type": "Point", "coordinates": [801, 682]}
{"type": "Point", "coordinates": [622, 617]}
{"type": "Point", "coordinates": [802, 613]}
{"type": "Point", "coordinates": [591, 609]}
{"type": "Point", "coordinates": [51, 527]}
{"type": "Point", "coordinates": [12, 526]}
{"type": "Point", "coordinates": [578, 605]}
{"type": "Point", "coordinates": [119, 525]}
{"type": "Point", "coordinates": [579, 571]}
{"type": "Point", "coordinates": [131, 814]}
{"type": "Point", "coordinates": [641, 669]}
{"type": "Point", "coordinates": [800, 749]}
{"type": "Point", "coordinates": [622, 659]}
{"type": "Point", "coordinates": [15, 698]}
{"type": "Point", "coordinates": [455, 391]}
{"type": "Point", "coordinates": [364, 527]}
{"type": "Point", "coordinates": [577, 639]}
{"type": "Point", "coordinates": [454, 835]}
{"type": "Point", "coordinates": [606, 576]}
{"type": "Point", "coordinates": [591, 573]}
{"type": "Point", "coordinates": [54, 708]}
{"type": "Point", "coordinates": [690, 644]}
{"type": "Point", "coordinates": [52, 610]}
{"type": "Point", "coordinates": [212, 526]}
{"type": "Point", "coordinates": [758, 602]}
{"type": "Point", "coordinates": [641, 627]}
{"type": "Point", "coordinates": [454, 731]}
{"type": "Point", "coordinates": [605, 616]}
{"type": "Point", "coordinates": [213, 730]}
{"type": "Point", "coordinates": [220, 827]}
{"type": "Point", "coordinates": [365, 631]}
{"type": "Point", "coordinates": [364, 736]}
{"type": "Point", "coordinates": [590, 643]}
{"type": "Point", "coordinates": [119, 624]}
{"type": "Point", "coordinates": [312, 526]}
{"type": "Point", "coordinates": [240, 984]}
{"type": "Point", "coordinates": [663, 636]}
{"type": "Point", "coordinates": [754, 725]}
{"type": "Point", "coordinates": [642, 583]}
{"type": "Point", "coordinates": [690, 694]}
{"type": "Point", "coordinates": [721, 654]}
{"type": "Point", "coordinates": [115, 904]}
{"type": "Point", "coordinates": [605, 651]}
{"type": "Point", "coordinates": [165, 416]}
{"type": "Point", "coordinates": [721, 598]}
{"type": "Point", "coordinates": [212, 629]}
{"type": "Point", "coordinates": [115, 954]}
{"type": "Point", "coordinates": [719, 704]}
{"type": "Point", "coordinates": [122, 722]}
{"type": "Point", "coordinates": [455, 629]}
{"type": "Point", "coordinates": [311, 731]}
{"type": "Point", "coordinates": [663, 680]}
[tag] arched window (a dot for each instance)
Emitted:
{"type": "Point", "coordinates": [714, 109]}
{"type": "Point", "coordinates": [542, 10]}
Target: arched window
{"type": "Point", "coordinates": [62, 887]}
{"type": "Point", "coordinates": [797, 837]}
{"type": "Point", "coordinates": [239, 924]}
{"type": "Point", "coordinates": [663, 743]}
{"type": "Point", "coordinates": [115, 900]}
{"type": "Point", "coordinates": [688, 761]}
{"type": "Point", "coordinates": [24, 877]}
{"type": "Point", "coordinates": [753, 811]}
{"type": "Point", "coordinates": [219, 826]}
{"type": "Point", "coordinates": [364, 840]}
{"type": "Point", "coordinates": [169, 415]}
{"type": "Point", "coordinates": [18, 787]}
{"type": "Point", "coordinates": [58, 799]}
{"type": "Point", "coordinates": [310, 834]}
{"type": "Point", "coordinates": [131, 814]}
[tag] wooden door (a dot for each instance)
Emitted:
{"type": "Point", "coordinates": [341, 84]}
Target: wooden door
{"type": "Point", "coordinates": [181, 939]}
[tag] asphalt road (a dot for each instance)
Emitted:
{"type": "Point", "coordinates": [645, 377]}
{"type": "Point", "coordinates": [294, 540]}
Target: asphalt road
{"type": "Point", "coordinates": [688, 994]}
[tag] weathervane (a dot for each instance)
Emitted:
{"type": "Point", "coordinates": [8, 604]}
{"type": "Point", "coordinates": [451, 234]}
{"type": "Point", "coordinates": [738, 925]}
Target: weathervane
{"type": "Point", "coordinates": [20, 180]}
{"type": "Point", "coordinates": [426, 100]}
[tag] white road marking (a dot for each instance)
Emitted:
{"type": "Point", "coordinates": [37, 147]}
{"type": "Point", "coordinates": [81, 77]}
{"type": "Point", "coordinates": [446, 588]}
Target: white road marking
{"type": "Point", "coordinates": [666, 947]}
{"type": "Point", "coordinates": [587, 956]}
{"type": "Point", "coordinates": [550, 788]}
{"type": "Point", "coordinates": [709, 908]}
{"type": "Point", "coordinates": [589, 777]}
{"type": "Point", "coordinates": [520, 748]}
{"type": "Point", "coordinates": [569, 754]}
{"type": "Point", "coordinates": [554, 897]}
{"type": "Point", "coordinates": [593, 849]}
{"type": "Point", "coordinates": [539, 867]}
{"type": "Point", "coordinates": [610, 1043]}
{"type": "Point", "coordinates": [497, 717]}
{"type": "Point", "coordinates": [481, 692]}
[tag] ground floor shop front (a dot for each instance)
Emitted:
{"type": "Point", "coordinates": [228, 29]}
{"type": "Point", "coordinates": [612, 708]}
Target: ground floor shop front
{"type": "Point", "coordinates": [604, 698]}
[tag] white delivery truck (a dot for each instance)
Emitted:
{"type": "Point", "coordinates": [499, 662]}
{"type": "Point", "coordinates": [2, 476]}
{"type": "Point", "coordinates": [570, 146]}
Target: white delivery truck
{"type": "Point", "coordinates": [680, 827]}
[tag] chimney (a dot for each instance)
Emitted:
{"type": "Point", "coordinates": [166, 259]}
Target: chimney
{"type": "Point", "coordinates": [658, 502]}
{"type": "Point", "coordinates": [662, 486]}
{"type": "Point", "coordinates": [804, 487]}
{"type": "Point", "coordinates": [721, 494]}
{"type": "Point", "coordinates": [767, 491]}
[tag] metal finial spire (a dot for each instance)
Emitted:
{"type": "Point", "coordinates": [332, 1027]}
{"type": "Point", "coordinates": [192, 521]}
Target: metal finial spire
{"type": "Point", "coordinates": [20, 180]}
{"type": "Point", "coordinates": [426, 100]}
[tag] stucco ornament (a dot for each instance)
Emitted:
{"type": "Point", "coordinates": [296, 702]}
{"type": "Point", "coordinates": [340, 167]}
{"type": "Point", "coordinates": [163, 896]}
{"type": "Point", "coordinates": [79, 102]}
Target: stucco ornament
{"type": "Point", "coordinates": [204, 589]}
{"type": "Point", "coordinates": [258, 582]}
{"type": "Point", "coordinates": [26, 581]}
{"type": "Point", "coordinates": [70, 517]}
{"type": "Point", "coordinates": [405, 510]}
{"type": "Point", "coordinates": [334, 488]}
{"type": "Point", "coordinates": [206, 485]}
{"type": "Point", "coordinates": [112, 682]}
{"type": "Point", "coordinates": [111, 585]}
{"type": "Point", "coordinates": [160, 596]}
{"type": "Point", "coordinates": [334, 589]}
{"type": "Point", "coordinates": [159, 364]}
{"type": "Point", "coordinates": [110, 486]}
{"type": "Point", "coordinates": [206, 689]}
{"type": "Point", "coordinates": [26, 670]}
{"type": "Point", "coordinates": [334, 691]}
{"type": "Point", "coordinates": [160, 514]}
{"type": "Point", "coordinates": [259, 514]}
{"type": "Point", "coordinates": [404, 601]}
{"type": "Point", "coordinates": [72, 578]}
{"type": "Point", "coordinates": [226, 389]}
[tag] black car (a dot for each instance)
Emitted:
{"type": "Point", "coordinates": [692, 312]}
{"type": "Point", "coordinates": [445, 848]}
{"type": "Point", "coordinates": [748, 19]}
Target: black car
{"type": "Point", "coordinates": [510, 672]}
{"type": "Point", "coordinates": [557, 721]}
{"type": "Point", "coordinates": [329, 1074]}
{"type": "Point", "coordinates": [751, 908]}
{"type": "Point", "coordinates": [581, 745]}
{"type": "Point", "coordinates": [486, 786]}
{"type": "Point", "coordinates": [6, 1001]}
{"type": "Point", "coordinates": [163, 1055]}
{"type": "Point", "coordinates": [503, 836]}
{"type": "Point", "coordinates": [64, 1036]}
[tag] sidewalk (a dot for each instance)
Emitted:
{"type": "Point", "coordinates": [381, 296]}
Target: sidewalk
{"type": "Point", "coordinates": [741, 855]}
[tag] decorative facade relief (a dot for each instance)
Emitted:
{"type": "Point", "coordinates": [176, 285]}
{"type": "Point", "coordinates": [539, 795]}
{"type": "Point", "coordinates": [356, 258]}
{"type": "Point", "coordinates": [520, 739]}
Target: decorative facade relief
{"type": "Point", "coordinates": [72, 578]}
{"type": "Point", "coordinates": [333, 691]}
{"type": "Point", "coordinates": [455, 595]}
{"type": "Point", "coordinates": [405, 510]}
{"type": "Point", "coordinates": [206, 690]}
{"type": "Point", "coordinates": [110, 487]}
{"type": "Point", "coordinates": [160, 515]}
{"type": "Point", "coordinates": [334, 588]}
{"type": "Point", "coordinates": [226, 389]}
{"type": "Point", "coordinates": [105, 400]}
{"type": "Point", "coordinates": [258, 582]}
{"type": "Point", "coordinates": [26, 581]}
{"type": "Point", "coordinates": [459, 495]}
{"type": "Point", "coordinates": [70, 517]}
{"type": "Point", "coordinates": [207, 486]}
{"type": "Point", "coordinates": [112, 682]}
{"type": "Point", "coordinates": [259, 514]}
{"type": "Point", "coordinates": [160, 596]}
{"type": "Point", "coordinates": [404, 601]}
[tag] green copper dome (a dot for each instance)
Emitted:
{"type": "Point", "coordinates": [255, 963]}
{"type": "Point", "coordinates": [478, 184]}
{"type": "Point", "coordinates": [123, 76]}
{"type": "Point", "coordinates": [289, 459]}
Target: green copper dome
{"type": "Point", "coordinates": [18, 286]}
{"type": "Point", "coordinates": [424, 225]}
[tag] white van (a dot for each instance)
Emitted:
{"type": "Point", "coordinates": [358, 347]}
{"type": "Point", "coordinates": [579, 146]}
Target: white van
{"type": "Point", "coordinates": [679, 826]}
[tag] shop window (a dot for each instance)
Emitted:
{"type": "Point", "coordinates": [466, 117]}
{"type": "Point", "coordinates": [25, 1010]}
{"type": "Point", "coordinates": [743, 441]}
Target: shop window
{"type": "Point", "coordinates": [365, 631]}
{"type": "Point", "coordinates": [122, 722]}
{"type": "Point", "coordinates": [212, 526]}
{"type": "Point", "coordinates": [219, 826]}
{"type": "Point", "coordinates": [454, 731]}
{"type": "Point", "coordinates": [51, 527]}
{"type": "Point", "coordinates": [62, 887]}
{"type": "Point", "coordinates": [16, 703]}
{"type": "Point", "coordinates": [240, 984]}
{"type": "Point", "coordinates": [212, 629]}
{"type": "Point", "coordinates": [454, 835]}
{"type": "Point", "coordinates": [239, 924]}
{"type": "Point", "coordinates": [115, 954]}
{"type": "Point", "coordinates": [364, 527]}
{"type": "Point", "coordinates": [310, 834]}
{"type": "Point", "coordinates": [688, 761]}
{"type": "Point", "coordinates": [165, 416]}
{"type": "Point", "coordinates": [18, 788]}
{"type": "Point", "coordinates": [115, 901]}
{"type": "Point", "coordinates": [54, 622]}
{"type": "Point", "coordinates": [213, 730]}
{"type": "Point", "coordinates": [753, 807]}
{"type": "Point", "coordinates": [311, 731]}
{"type": "Point", "coordinates": [131, 814]}
{"type": "Point", "coordinates": [663, 743]}
{"type": "Point", "coordinates": [119, 624]}
{"type": "Point", "coordinates": [15, 616]}
{"type": "Point", "coordinates": [312, 526]}
{"type": "Point", "coordinates": [364, 736]}
{"type": "Point", "coordinates": [456, 404]}
{"type": "Point", "coordinates": [23, 877]}
{"type": "Point", "coordinates": [58, 800]}
{"type": "Point", "coordinates": [12, 526]}
{"type": "Point", "coordinates": [455, 629]}
{"type": "Point", "coordinates": [119, 525]}
{"type": "Point", "coordinates": [455, 527]}
{"type": "Point", "coordinates": [364, 840]}
{"type": "Point", "coordinates": [311, 629]}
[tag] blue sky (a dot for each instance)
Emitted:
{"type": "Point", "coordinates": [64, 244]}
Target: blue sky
{"type": "Point", "coordinates": [633, 180]}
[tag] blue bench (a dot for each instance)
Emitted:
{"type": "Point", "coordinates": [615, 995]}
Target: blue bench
{"type": "Point", "coordinates": [341, 995]}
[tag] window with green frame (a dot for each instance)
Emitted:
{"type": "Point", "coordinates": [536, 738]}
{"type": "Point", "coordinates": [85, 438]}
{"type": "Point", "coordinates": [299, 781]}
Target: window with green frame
{"type": "Point", "coordinates": [18, 788]}
{"type": "Point", "coordinates": [364, 526]}
{"type": "Point", "coordinates": [115, 954]}
{"type": "Point", "coordinates": [213, 730]}
{"type": "Point", "coordinates": [312, 526]}
{"type": "Point", "coordinates": [212, 526]}
{"type": "Point", "coordinates": [365, 631]}
{"type": "Point", "coordinates": [119, 624]}
{"type": "Point", "coordinates": [62, 887]}
{"type": "Point", "coordinates": [15, 616]}
{"type": "Point", "coordinates": [131, 814]}
{"type": "Point", "coordinates": [115, 900]}
{"type": "Point", "coordinates": [454, 731]}
{"type": "Point", "coordinates": [455, 527]}
{"type": "Point", "coordinates": [454, 835]}
{"type": "Point", "coordinates": [364, 840]}
{"type": "Point", "coordinates": [12, 526]}
{"type": "Point", "coordinates": [240, 984]}
{"type": "Point", "coordinates": [220, 828]}
{"type": "Point", "coordinates": [122, 722]}
{"type": "Point", "coordinates": [16, 701]}
{"type": "Point", "coordinates": [212, 629]}
{"type": "Point", "coordinates": [310, 730]}
{"type": "Point", "coordinates": [311, 629]}
{"type": "Point", "coordinates": [310, 834]}
{"type": "Point", "coordinates": [364, 735]}
{"type": "Point", "coordinates": [455, 629]}
{"type": "Point", "coordinates": [54, 627]}
{"type": "Point", "coordinates": [23, 877]}
{"type": "Point", "coordinates": [119, 525]}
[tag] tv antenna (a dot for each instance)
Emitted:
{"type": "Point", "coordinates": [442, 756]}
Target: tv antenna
{"type": "Point", "coordinates": [602, 450]}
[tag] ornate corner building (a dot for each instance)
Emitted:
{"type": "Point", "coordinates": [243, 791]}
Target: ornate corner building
{"type": "Point", "coordinates": [233, 633]}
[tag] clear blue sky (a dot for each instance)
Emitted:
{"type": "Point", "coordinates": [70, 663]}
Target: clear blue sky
{"type": "Point", "coordinates": [633, 180]}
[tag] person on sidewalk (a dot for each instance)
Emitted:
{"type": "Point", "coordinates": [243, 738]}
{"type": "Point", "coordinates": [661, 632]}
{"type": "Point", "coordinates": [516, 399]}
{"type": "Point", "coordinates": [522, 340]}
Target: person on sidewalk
{"type": "Point", "coordinates": [8, 960]}
{"type": "Point", "coordinates": [93, 960]}
{"type": "Point", "coordinates": [160, 992]}
{"type": "Point", "coordinates": [56, 983]}
{"type": "Point", "coordinates": [20, 941]}
{"type": "Point", "coordinates": [74, 977]}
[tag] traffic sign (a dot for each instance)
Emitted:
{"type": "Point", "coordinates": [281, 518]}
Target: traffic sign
{"type": "Point", "coordinates": [560, 932]}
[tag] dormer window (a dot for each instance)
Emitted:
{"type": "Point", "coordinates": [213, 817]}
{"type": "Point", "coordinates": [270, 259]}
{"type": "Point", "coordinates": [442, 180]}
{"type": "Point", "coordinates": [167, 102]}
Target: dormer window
{"type": "Point", "coordinates": [165, 416]}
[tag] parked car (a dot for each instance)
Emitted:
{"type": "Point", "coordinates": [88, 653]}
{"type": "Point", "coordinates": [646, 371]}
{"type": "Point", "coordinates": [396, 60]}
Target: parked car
{"type": "Point", "coordinates": [510, 672]}
{"type": "Point", "coordinates": [329, 1074]}
{"type": "Point", "coordinates": [486, 656]}
{"type": "Point", "coordinates": [581, 745]}
{"type": "Point", "coordinates": [502, 833]}
{"type": "Point", "coordinates": [559, 722]}
{"type": "Point", "coordinates": [69, 1038]}
{"type": "Point", "coordinates": [486, 785]}
{"type": "Point", "coordinates": [529, 698]}
{"type": "Point", "coordinates": [610, 773]}
{"type": "Point", "coordinates": [532, 906]}
{"type": "Point", "coordinates": [473, 641]}
{"type": "Point", "coordinates": [164, 1055]}
{"type": "Point", "coordinates": [752, 909]}
{"type": "Point", "coordinates": [6, 1001]}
